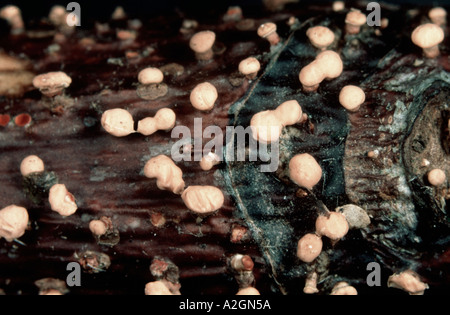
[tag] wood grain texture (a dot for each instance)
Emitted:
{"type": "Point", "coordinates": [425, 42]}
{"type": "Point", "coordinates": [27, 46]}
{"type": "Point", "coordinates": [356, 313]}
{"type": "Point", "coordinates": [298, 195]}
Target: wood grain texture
{"type": "Point", "coordinates": [105, 175]}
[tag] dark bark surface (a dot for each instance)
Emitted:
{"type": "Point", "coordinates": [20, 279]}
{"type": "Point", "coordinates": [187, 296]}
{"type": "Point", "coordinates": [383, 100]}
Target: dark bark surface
{"type": "Point", "coordinates": [404, 118]}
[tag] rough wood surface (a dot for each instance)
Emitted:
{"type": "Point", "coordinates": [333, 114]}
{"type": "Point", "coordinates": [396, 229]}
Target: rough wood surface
{"type": "Point", "coordinates": [404, 93]}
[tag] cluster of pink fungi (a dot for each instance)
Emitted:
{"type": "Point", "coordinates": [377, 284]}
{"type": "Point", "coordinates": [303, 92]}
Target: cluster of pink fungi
{"type": "Point", "coordinates": [267, 126]}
